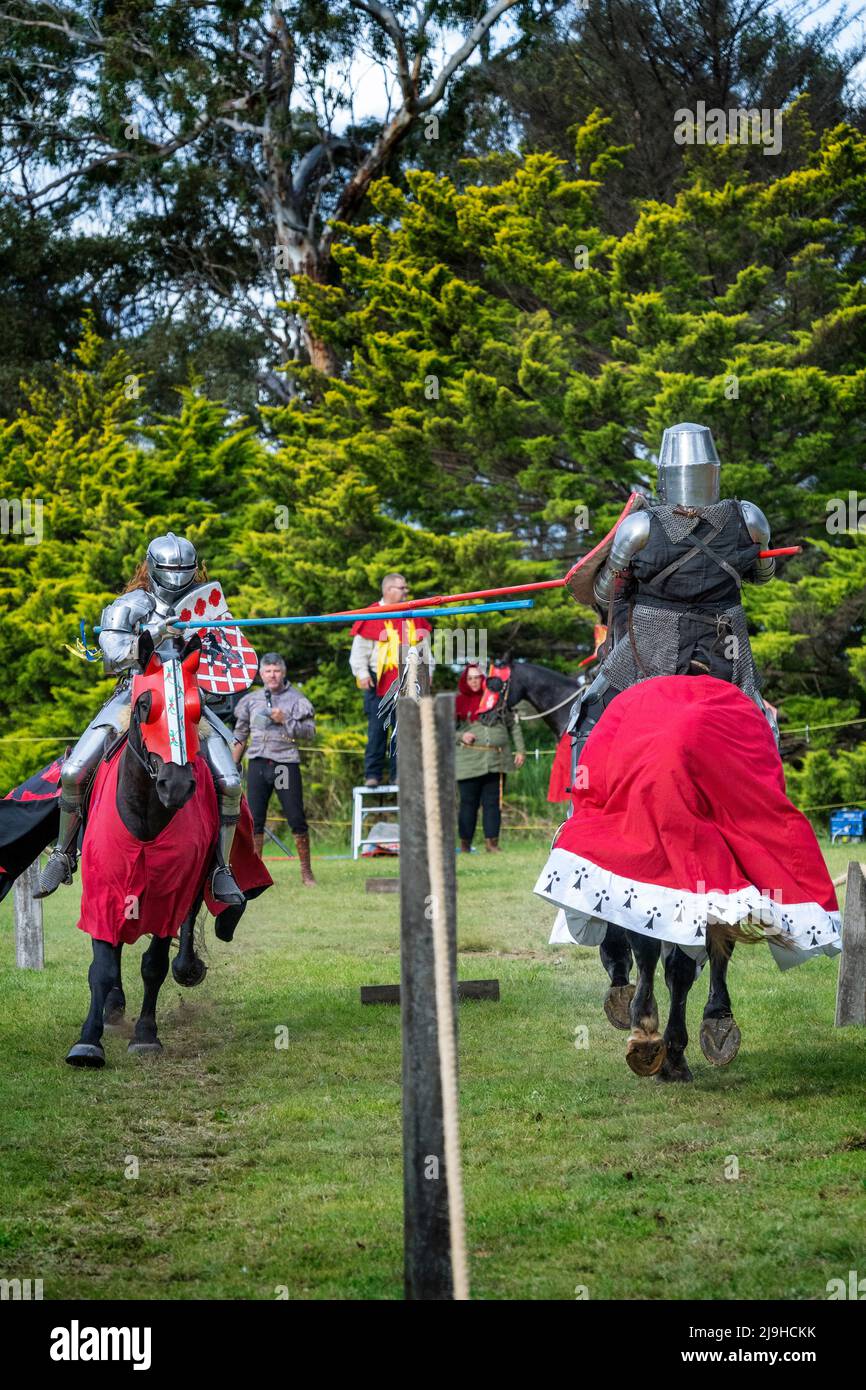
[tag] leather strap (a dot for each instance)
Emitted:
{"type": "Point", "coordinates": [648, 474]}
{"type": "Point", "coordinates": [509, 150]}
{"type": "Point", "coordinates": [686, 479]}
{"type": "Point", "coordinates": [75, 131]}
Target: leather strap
{"type": "Point", "coordinates": [631, 637]}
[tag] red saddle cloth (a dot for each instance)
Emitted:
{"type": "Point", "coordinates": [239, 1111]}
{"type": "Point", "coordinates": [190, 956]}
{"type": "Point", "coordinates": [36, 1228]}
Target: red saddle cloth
{"type": "Point", "coordinates": [131, 888]}
{"type": "Point", "coordinates": [681, 816]}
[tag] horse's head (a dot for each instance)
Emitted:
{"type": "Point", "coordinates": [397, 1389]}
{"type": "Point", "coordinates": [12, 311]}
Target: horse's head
{"type": "Point", "coordinates": [165, 714]}
{"type": "Point", "coordinates": [497, 684]}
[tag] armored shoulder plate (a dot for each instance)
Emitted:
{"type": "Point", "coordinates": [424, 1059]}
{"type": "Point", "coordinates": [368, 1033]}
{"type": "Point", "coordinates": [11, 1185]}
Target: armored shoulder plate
{"type": "Point", "coordinates": [120, 624]}
{"type": "Point", "coordinates": [127, 610]}
{"type": "Point", "coordinates": [631, 536]}
{"type": "Point", "coordinates": [756, 523]}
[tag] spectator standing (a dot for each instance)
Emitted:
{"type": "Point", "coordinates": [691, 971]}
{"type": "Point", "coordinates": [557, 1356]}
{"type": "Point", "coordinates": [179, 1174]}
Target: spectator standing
{"type": "Point", "coordinates": [272, 720]}
{"type": "Point", "coordinates": [485, 728]}
{"type": "Point", "coordinates": [375, 663]}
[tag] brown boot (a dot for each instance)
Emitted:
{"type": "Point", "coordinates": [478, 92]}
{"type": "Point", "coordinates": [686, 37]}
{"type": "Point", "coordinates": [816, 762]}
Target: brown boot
{"type": "Point", "coordinates": [258, 844]}
{"type": "Point", "coordinates": [492, 846]}
{"type": "Point", "coordinates": [302, 844]}
{"type": "Point", "coordinates": [465, 846]}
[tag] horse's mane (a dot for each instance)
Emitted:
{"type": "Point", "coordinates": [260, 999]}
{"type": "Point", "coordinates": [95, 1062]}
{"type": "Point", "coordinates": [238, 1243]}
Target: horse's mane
{"type": "Point", "coordinates": [569, 676]}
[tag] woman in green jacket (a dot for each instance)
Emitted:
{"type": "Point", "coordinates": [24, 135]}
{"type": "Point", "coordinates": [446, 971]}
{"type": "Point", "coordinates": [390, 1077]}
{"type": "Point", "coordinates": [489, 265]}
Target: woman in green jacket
{"type": "Point", "coordinates": [483, 758]}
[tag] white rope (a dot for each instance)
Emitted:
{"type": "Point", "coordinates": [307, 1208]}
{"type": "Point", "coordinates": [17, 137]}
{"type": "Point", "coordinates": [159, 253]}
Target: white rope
{"type": "Point", "coordinates": [527, 718]}
{"type": "Point", "coordinates": [444, 1004]}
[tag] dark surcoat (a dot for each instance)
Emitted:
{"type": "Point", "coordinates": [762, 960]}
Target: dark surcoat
{"type": "Point", "coordinates": [679, 612]}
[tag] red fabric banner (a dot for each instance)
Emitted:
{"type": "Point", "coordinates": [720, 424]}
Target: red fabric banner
{"type": "Point", "coordinates": [131, 888]}
{"type": "Point", "coordinates": [682, 785]}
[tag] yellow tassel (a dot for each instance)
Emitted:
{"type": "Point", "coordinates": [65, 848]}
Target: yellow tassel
{"type": "Point", "coordinates": [83, 652]}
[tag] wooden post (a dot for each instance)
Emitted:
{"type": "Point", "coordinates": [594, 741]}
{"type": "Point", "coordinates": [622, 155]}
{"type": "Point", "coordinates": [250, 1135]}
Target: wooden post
{"type": "Point", "coordinates": [29, 947]}
{"type": "Point", "coordinates": [427, 1257]}
{"type": "Point", "coordinates": [851, 989]}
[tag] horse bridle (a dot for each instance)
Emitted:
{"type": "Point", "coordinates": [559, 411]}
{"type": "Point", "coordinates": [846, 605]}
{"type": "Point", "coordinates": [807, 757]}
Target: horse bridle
{"type": "Point", "coordinates": [144, 759]}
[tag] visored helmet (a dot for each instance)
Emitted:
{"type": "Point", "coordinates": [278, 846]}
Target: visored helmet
{"type": "Point", "coordinates": [689, 467]}
{"type": "Point", "coordinates": [171, 564]}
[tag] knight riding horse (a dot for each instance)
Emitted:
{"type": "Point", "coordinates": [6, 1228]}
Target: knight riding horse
{"type": "Point", "coordinates": [670, 587]}
{"type": "Point", "coordinates": [174, 593]}
{"type": "Point", "coordinates": [681, 782]}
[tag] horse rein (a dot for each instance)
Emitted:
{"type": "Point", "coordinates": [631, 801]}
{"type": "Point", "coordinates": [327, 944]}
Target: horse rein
{"type": "Point", "coordinates": [569, 700]}
{"type": "Point", "coordinates": [151, 771]}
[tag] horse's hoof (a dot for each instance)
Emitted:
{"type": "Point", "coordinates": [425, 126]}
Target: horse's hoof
{"type": "Point", "coordinates": [86, 1055]}
{"type": "Point", "coordinates": [192, 976]}
{"type": "Point", "coordinates": [720, 1040]}
{"type": "Point", "coordinates": [145, 1049]}
{"type": "Point", "coordinates": [674, 1071]}
{"type": "Point", "coordinates": [616, 1005]}
{"type": "Point", "coordinates": [645, 1052]}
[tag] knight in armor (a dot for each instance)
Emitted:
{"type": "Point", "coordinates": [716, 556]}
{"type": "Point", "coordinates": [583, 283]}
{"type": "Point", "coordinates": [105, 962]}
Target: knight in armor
{"type": "Point", "coordinates": [670, 587]}
{"type": "Point", "coordinates": [170, 573]}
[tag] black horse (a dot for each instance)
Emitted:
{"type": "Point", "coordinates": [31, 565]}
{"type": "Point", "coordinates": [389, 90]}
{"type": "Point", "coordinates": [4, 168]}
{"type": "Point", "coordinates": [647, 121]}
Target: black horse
{"type": "Point", "coordinates": [629, 1007]}
{"type": "Point", "coordinates": [150, 792]}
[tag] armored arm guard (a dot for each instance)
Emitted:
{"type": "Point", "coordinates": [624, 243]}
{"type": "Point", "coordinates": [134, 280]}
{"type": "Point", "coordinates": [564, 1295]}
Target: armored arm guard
{"type": "Point", "coordinates": [758, 528]}
{"type": "Point", "coordinates": [631, 536]}
{"type": "Point", "coordinates": [122, 622]}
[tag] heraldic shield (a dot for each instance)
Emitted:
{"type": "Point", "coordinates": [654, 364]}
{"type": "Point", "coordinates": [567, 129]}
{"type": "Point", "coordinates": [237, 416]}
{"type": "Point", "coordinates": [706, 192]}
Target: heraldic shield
{"type": "Point", "coordinates": [228, 662]}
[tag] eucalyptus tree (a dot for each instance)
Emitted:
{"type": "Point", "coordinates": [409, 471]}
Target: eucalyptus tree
{"type": "Point", "coordinates": [227, 142]}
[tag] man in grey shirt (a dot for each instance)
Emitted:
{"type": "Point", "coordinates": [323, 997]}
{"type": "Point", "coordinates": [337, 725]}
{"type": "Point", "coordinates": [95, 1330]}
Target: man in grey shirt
{"type": "Point", "coordinates": [271, 721]}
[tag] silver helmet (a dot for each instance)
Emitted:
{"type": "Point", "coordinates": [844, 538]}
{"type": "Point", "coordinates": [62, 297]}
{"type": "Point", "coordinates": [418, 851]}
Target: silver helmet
{"type": "Point", "coordinates": [688, 467]}
{"type": "Point", "coordinates": [171, 564]}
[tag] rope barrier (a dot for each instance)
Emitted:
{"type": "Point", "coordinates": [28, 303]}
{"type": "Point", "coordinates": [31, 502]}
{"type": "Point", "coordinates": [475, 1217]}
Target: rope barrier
{"type": "Point", "coordinates": [811, 728]}
{"type": "Point", "coordinates": [359, 752]}
{"type": "Point", "coordinates": [444, 1010]}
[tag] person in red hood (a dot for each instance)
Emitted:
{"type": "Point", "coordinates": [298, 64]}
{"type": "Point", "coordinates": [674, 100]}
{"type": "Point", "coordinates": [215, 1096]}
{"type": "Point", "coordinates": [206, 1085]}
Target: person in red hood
{"type": "Point", "coordinates": [485, 730]}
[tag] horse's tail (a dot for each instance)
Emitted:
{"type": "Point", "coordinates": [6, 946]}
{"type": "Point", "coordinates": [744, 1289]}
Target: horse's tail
{"type": "Point", "coordinates": [721, 936]}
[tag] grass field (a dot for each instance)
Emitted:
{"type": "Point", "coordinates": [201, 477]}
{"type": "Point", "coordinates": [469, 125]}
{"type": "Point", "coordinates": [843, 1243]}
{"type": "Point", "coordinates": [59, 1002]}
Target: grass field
{"type": "Point", "coordinates": [262, 1167]}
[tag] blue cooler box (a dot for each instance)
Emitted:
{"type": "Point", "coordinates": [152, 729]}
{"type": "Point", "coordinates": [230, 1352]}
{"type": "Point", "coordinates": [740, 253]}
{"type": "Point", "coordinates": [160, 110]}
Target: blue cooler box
{"type": "Point", "coordinates": [848, 825]}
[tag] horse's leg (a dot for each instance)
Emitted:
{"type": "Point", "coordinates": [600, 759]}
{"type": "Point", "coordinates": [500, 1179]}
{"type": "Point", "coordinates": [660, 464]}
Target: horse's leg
{"type": "Point", "coordinates": [616, 957]}
{"type": "Point", "coordinates": [115, 1003]}
{"type": "Point", "coordinates": [720, 1036]}
{"type": "Point", "coordinates": [187, 968]}
{"type": "Point", "coordinates": [646, 1049]}
{"type": "Point", "coordinates": [103, 975]}
{"type": "Point", "coordinates": [154, 968]}
{"type": "Point", "coordinates": [679, 977]}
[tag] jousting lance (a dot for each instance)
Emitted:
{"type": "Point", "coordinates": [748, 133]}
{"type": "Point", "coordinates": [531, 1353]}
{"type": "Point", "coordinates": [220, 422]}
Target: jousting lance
{"type": "Point", "coordinates": [348, 618]}
{"type": "Point", "coordinates": [398, 609]}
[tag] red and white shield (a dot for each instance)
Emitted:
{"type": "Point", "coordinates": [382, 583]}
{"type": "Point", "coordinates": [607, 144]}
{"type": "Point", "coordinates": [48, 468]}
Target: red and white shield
{"type": "Point", "coordinates": [228, 662]}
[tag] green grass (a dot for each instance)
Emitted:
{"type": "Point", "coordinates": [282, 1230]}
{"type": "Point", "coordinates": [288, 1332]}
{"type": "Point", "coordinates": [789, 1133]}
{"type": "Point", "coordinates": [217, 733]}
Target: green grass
{"type": "Point", "coordinates": [261, 1167]}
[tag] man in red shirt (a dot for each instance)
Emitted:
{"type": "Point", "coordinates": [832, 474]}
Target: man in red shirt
{"type": "Point", "coordinates": [375, 663]}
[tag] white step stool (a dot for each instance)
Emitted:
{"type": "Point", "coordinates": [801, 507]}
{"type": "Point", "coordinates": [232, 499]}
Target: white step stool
{"type": "Point", "coordinates": [361, 796]}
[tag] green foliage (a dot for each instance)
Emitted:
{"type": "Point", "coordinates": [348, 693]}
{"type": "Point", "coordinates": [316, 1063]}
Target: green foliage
{"type": "Point", "coordinates": [508, 364]}
{"type": "Point", "coordinates": [104, 488]}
